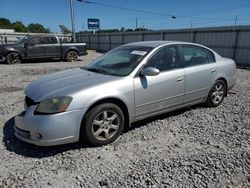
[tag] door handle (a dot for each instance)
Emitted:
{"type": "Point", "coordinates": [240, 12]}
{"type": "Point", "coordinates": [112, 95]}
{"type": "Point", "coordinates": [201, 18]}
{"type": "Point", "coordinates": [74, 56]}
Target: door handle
{"type": "Point", "coordinates": [180, 79]}
{"type": "Point", "coordinates": [213, 70]}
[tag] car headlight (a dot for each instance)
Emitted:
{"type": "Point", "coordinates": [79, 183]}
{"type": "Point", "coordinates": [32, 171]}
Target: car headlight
{"type": "Point", "coordinates": [53, 105]}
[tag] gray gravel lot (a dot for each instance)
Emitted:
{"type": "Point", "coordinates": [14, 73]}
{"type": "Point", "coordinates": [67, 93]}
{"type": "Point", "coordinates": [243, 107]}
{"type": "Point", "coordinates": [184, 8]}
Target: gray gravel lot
{"type": "Point", "coordinates": [192, 147]}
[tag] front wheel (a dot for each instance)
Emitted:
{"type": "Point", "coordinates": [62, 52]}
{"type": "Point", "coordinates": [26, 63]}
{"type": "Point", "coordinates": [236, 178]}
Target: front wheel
{"type": "Point", "coordinates": [71, 56]}
{"type": "Point", "coordinates": [13, 58]}
{"type": "Point", "coordinates": [103, 124]}
{"type": "Point", "coordinates": [216, 94]}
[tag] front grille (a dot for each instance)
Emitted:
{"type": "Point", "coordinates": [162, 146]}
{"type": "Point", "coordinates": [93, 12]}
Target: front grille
{"type": "Point", "coordinates": [23, 133]}
{"type": "Point", "coordinates": [29, 102]}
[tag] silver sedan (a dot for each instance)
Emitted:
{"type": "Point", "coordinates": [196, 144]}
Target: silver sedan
{"type": "Point", "coordinates": [132, 82]}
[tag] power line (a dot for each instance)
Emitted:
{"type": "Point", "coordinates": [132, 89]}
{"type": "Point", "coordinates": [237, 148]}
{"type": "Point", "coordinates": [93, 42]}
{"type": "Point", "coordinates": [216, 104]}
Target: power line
{"type": "Point", "coordinates": [129, 9]}
{"type": "Point", "coordinates": [163, 14]}
{"type": "Point", "coordinates": [211, 11]}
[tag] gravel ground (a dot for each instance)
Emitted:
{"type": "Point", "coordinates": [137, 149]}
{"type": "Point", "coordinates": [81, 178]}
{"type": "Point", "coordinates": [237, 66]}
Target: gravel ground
{"type": "Point", "coordinates": [192, 147]}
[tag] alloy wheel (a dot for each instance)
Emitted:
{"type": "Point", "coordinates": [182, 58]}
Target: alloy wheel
{"type": "Point", "coordinates": [218, 93]}
{"type": "Point", "coordinates": [105, 125]}
{"type": "Point", "coordinates": [72, 56]}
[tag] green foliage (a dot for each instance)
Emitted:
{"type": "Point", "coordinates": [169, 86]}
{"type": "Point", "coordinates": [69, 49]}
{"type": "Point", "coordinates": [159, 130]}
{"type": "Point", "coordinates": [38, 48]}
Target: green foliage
{"type": "Point", "coordinates": [141, 29]}
{"type": "Point", "coordinates": [37, 28]}
{"type": "Point", "coordinates": [108, 30]}
{"type": "Point", "coordinates": [123, 29]}
{"type": "Point", "coordinates": [18, 26]}
{"type": "Point", "coordinates": [5, 23]}
{"type": "Point", "coordinates": [129, 30]}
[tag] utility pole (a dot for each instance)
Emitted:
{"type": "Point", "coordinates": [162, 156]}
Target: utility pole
{"type": "Point", "coordinates": [72, 19]}
{"type": "Point", "coordinates": [235, 21]}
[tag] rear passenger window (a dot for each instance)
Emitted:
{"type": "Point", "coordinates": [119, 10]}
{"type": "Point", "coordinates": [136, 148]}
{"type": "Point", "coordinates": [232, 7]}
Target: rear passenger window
{"type": "Point", "coordinates": [52, 40]}
{"type": "Point", "coordinates": [194, 55]}
{"type": "Point", "coordinates": [48, 40]}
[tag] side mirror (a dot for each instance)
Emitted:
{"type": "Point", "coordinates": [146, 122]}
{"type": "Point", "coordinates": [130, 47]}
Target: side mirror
{"type": "Point", "coordinates": [150, 71]}
{"type": "Point", "coordinates": [26, 44]}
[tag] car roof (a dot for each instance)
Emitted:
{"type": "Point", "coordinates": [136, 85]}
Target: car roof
{"type": "Point", "coordinates": [157, 43]}
{"type": "Point", "coordinates": [150, 43]}
{"type": "Point", "coordinates": [41, 35]}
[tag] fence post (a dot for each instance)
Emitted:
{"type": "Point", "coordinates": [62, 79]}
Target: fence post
{"type": "Point", "coordinates": [163, 35]}
{"type": "Point", "coordinates": [235, 44]}
{"type": "Point", "coordinates": [109, 37]}
{"type": "Point", "coordinates": [98, 42]}
{"type": "Point", "coordinates": [122, 38]}
{"type": "Point", "coordinates": [194, 37]}
{"type": "Point", "coordinates": [142, 33]}
{"type": "Point", "coordinates": [89, 40]}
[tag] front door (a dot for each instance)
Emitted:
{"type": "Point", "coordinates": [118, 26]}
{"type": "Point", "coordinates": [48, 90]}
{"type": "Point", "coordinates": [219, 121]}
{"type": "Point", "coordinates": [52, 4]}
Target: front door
{"type": "Point", "coordinates": [35, 48]}
{"type": "Point", "coordinates": [166, 90]}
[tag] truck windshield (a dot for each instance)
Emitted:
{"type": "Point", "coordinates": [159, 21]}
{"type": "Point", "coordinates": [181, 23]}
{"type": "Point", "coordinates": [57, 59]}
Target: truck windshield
{"type": "Point", "coordinates": [120, 61]}
{"type": "Point", "coordinates": [22, 40]}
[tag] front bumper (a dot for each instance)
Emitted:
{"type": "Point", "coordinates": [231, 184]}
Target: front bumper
{"type": "Point", "coordinates": [48, 130]}
{"type": "Point", "coordinates": [2, 58]}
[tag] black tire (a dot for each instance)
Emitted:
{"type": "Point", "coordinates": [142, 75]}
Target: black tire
{"type": "Point", "coordinates": [100, 129]}
{"type": "Point", "coordinates": [72, 56]}
{"type": "Point", "coordinates": [216, 94]}
{"type": "Point", "coordinates": [13, 58]}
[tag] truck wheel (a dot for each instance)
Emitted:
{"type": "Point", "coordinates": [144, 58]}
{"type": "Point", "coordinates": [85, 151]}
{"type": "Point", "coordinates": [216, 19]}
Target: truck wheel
{"type": "Point", "coordinates": [71, 56]}
{"type": "Point", "coordinates": [103, 124]}
{"type": "Point", "coordinates": [13, 58]}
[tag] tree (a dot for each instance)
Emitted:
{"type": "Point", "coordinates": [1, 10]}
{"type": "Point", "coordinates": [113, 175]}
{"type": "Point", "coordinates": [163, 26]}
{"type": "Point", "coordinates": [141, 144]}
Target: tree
{"type": "Point", "coordinates": [129, 30]}
{"type": "Point", "coordinates": [19, 27]}
{"type": "Point", "coordinates": [5, 23]}
{"type": "Point", "coordinates": [141, 29]}
{"type": "Point", "coordinates": [122, 29]}
{"type": "Point", "coordinates": [37, 28]}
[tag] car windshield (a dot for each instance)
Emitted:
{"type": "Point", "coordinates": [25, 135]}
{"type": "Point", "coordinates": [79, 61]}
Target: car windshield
{"type": "Point", "coordinates": [120, 61]}
{"type": "Point", "coordinates": [22, 40]}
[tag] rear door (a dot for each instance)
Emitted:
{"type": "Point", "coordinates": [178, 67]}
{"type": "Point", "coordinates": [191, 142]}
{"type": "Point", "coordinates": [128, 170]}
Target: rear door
{"type": "Point", "coordinates": [199, 69]}
{"type": "Point", "coordinates": [53, 48]}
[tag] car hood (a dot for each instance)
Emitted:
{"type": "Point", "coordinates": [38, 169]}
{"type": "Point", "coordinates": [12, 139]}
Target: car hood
{"type": "Point", "coordinates": [9, 45]}
{"type": "Point", "coordinates": [65, 83]}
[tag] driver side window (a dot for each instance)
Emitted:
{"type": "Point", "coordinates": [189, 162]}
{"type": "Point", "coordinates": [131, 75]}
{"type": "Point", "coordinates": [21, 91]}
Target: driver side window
{"type": "Point", "coordinates": [166, 58]}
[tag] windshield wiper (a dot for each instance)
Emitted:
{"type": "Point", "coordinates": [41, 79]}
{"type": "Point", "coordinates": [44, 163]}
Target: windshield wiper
{"type": "Point", "coordinates": [95, 70]}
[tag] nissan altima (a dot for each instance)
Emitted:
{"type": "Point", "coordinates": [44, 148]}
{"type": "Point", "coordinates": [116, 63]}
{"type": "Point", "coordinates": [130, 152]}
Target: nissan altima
{"type": "Point", "coordinates": [130, 83]}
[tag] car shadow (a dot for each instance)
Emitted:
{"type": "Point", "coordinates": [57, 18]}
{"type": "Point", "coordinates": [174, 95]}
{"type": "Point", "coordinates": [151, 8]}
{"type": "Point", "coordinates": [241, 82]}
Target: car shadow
{"type": "Point", "coordinates": [31, 61]}
{"type": "Point", "coordinates": [12, 144]}
{"type": "Point", "coordinates": [52, 60]}
{"type": "Point", "coordinates": [144, 122]}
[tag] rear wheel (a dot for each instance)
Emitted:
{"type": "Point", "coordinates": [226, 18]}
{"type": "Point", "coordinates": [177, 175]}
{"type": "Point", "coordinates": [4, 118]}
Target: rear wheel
{"type": "Point", "coordinates": [216, 94]}
{"type": "Point", "coordinates": [13, 58]}
{"type": "Point", "coordinates": [71, 56]}
{"type": "Point", "coordinates": [103, 124]}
